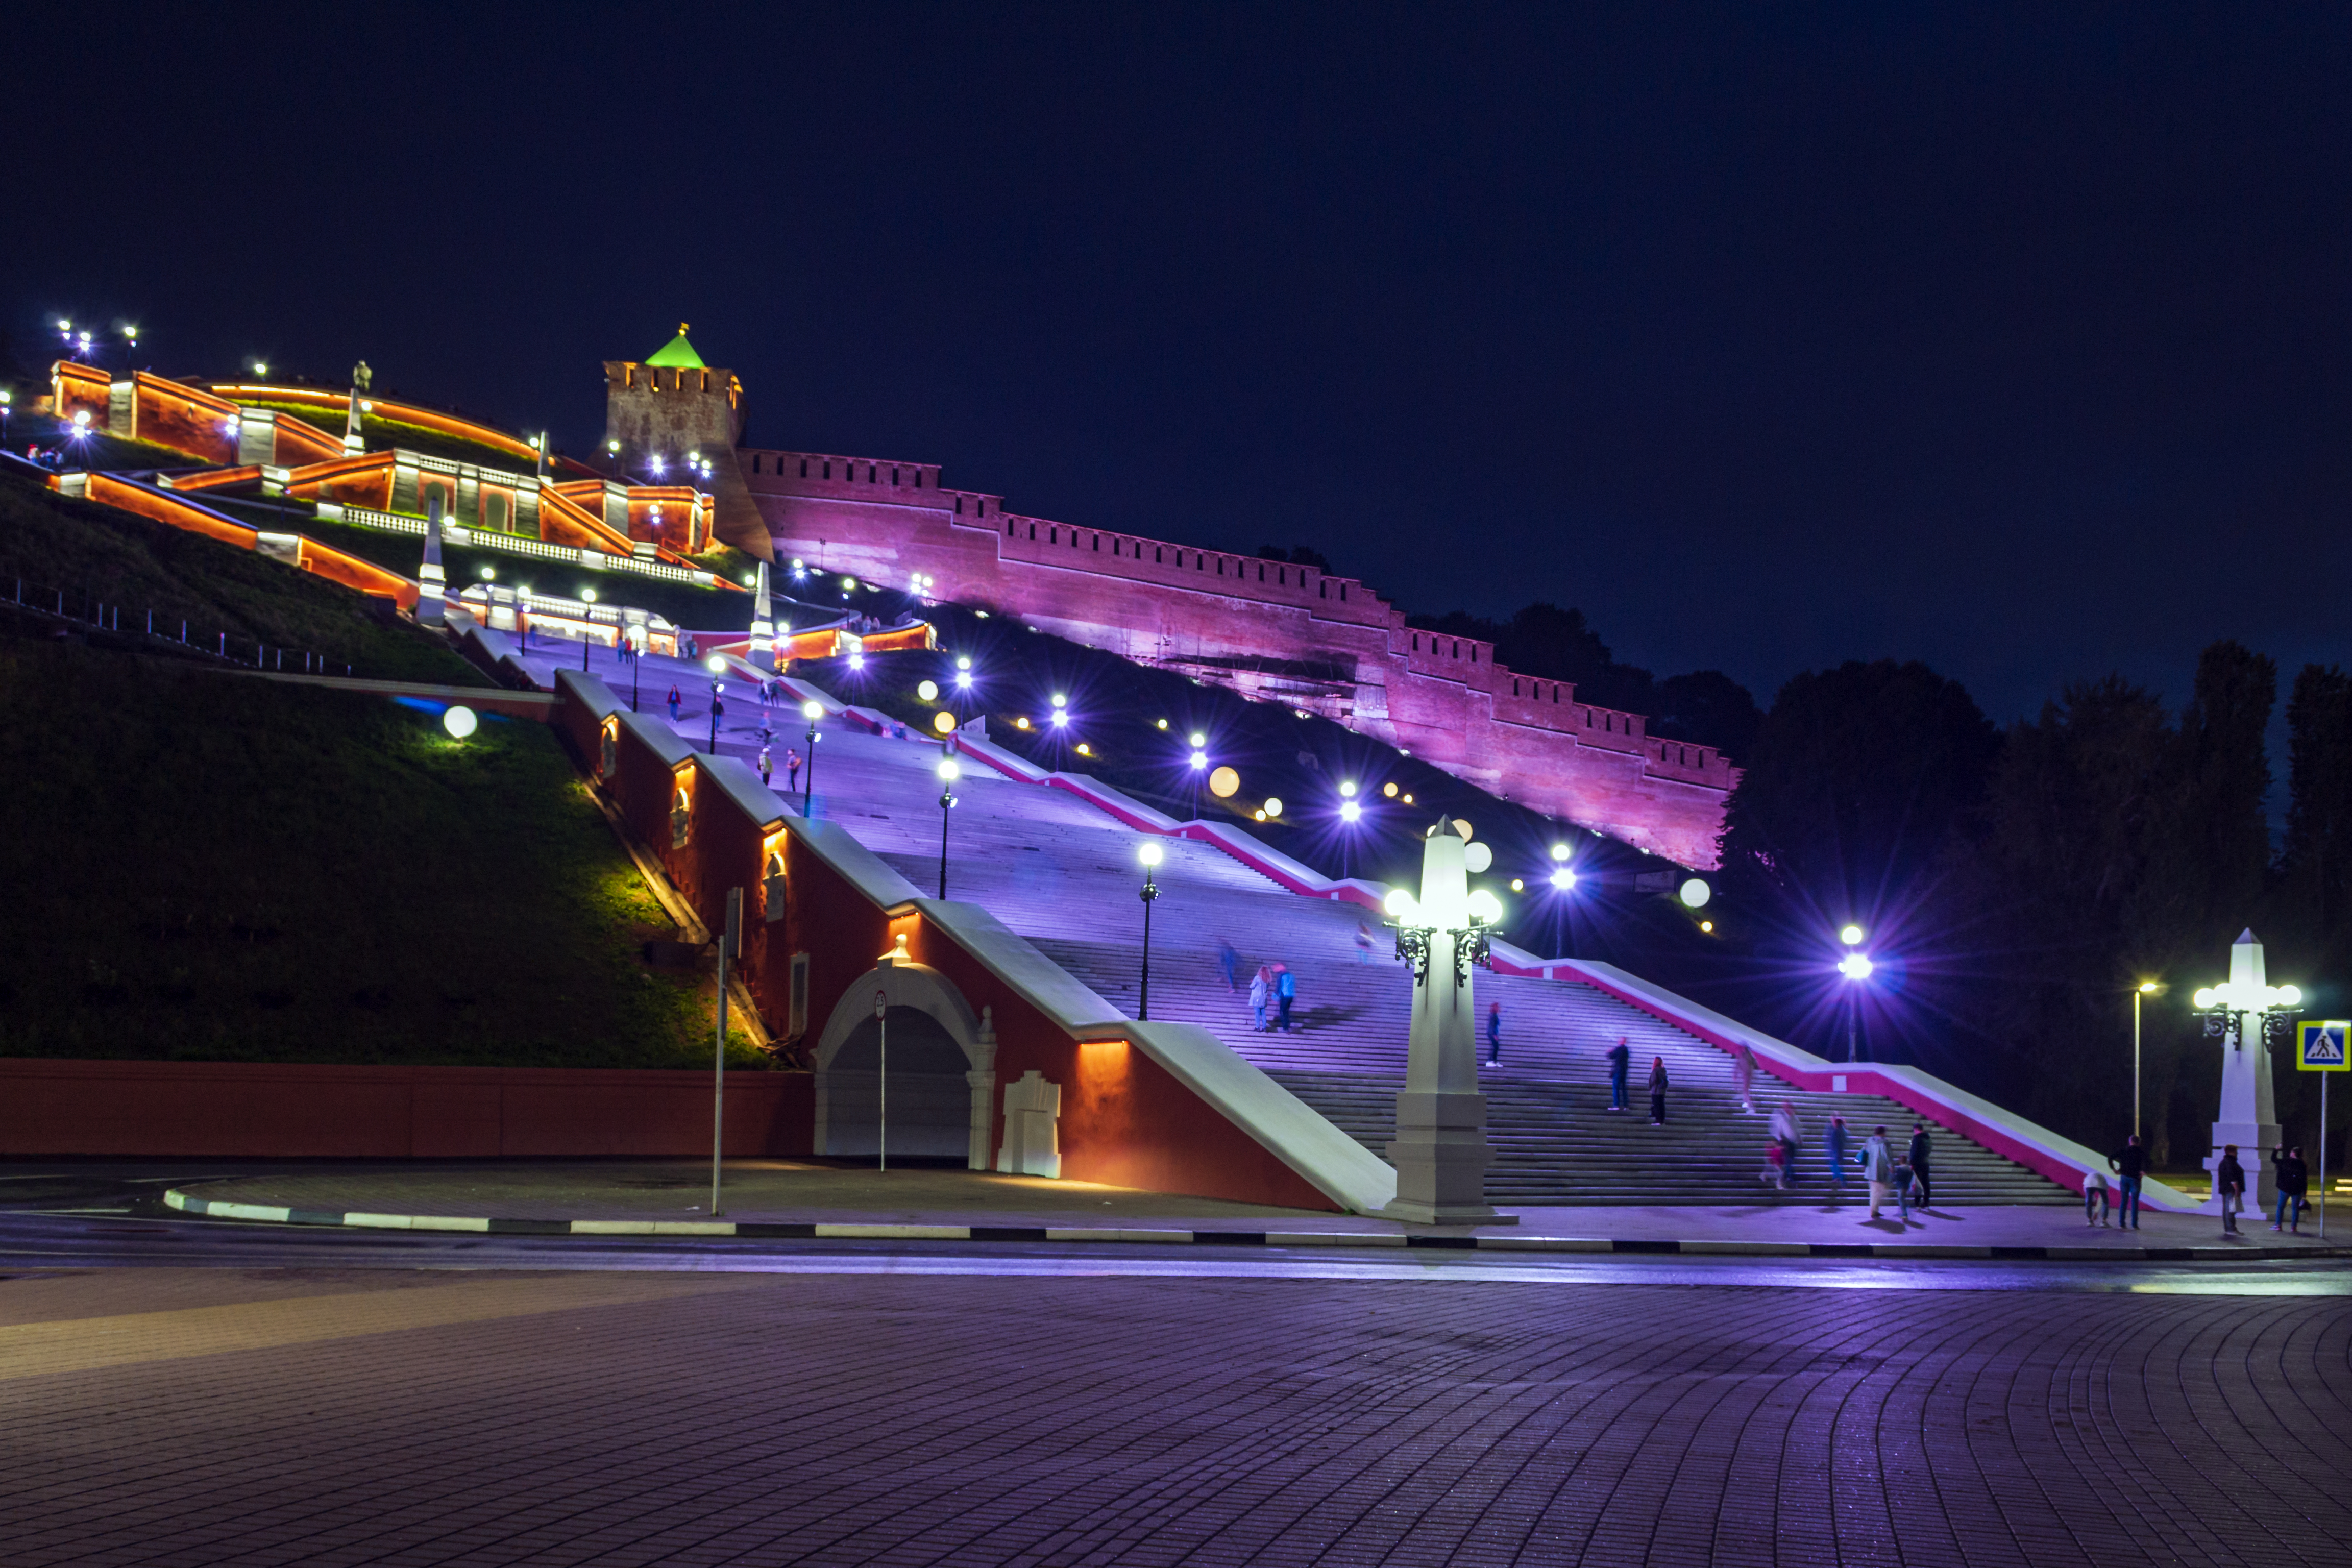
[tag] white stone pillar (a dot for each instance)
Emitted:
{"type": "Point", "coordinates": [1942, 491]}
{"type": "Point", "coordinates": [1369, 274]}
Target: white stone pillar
{"type": "Point", "coordinates": [764, 624]}
{"type": "Point", "coordinates": [1441, 1153]}
{"type": "Point", "coordinates": [431, 583]}
{"type": "Point", "coordinates": [2249, 1104]}
{"type": "Point", "coordinates": [981, 1080]}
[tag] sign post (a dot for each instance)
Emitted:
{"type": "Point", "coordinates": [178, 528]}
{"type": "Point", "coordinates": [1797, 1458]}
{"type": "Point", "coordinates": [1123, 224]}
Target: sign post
{"type": "Point", "coordinates": [882, 1079]}
{"type": "Point", "coordinates": [728, 941]}
{"type": "Point", "coordinates": [2320, 1047]}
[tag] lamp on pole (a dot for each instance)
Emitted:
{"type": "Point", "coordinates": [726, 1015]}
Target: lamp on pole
{"type": "Point", "coordinates": [715, 664]}
{"type": "Point", "coordinates": [1200, 768]}
{"type": "Point", "coordinates": [1855, 966]}
{"type": "Point", "coordinates": [2145, 988]}
{"type": "Point", "coordinates": [1149, 853]}
{"type": "Point", "coordinates": [1351, 812]}
{"type": "Point", "coordinates": [812, 711]}
{"type": "Point", "coordinates": [587, 597]}
{"type": "Point", "coordinates": [948, 773]}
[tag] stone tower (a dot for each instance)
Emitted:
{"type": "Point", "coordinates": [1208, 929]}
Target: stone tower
{"type": "Point", "coordinates": [670, 404]}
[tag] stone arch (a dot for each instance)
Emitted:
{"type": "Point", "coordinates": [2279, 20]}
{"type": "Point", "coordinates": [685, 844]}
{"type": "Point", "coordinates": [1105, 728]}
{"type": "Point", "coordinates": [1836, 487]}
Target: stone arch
{"type": "Point", "coordinates": [939, 1027]}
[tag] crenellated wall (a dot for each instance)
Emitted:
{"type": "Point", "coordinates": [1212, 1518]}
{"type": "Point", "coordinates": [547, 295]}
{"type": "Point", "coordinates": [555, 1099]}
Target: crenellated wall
{"type": "Point", "coordinates": [1271, 630]}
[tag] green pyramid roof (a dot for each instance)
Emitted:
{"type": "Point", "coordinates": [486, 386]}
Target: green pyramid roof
{"type": "Point", "coordinates": [678, 353]}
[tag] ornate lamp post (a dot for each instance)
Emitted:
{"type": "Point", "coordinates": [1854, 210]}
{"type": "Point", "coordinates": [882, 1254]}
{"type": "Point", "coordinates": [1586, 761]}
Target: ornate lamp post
{"type": "Point", "coordinates": [949, 772]}
{"type": "Point", "coordinates": [1150, 855]}
{"type": "Point", "coordinates": [2252, 1017]}
{"type": "Point", "coordinates": [1441, 1153]}
{"type": "Point", "coordinates": [2146, 988]}
{"type": "Point", "coordinates": [1856, 967]}
{"type": "Point", "coordinates": [812, 711]}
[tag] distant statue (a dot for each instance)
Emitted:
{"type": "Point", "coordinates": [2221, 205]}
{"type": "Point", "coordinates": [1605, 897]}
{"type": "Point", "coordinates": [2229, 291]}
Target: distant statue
{"type": "Point", "coordinates": [361, 377]}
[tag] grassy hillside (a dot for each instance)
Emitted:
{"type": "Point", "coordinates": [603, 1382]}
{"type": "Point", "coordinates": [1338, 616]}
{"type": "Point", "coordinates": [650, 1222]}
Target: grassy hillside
{"type": "Point", "coordinates": [205, 866]}
{"type": "Point", "coordinates": [94, 552]}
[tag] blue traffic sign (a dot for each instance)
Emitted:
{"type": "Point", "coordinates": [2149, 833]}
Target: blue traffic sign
{"type": "Point", "coordinates": [2320, 1045]}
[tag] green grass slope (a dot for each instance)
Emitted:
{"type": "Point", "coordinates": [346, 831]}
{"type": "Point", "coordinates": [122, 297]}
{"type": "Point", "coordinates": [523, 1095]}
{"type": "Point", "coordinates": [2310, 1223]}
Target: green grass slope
{"type": "Point", "coordinates": [202, 866]}
{"type": "Point", "coordinates": [96, 552]}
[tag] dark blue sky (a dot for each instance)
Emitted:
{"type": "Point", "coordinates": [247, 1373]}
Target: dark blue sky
{"type": "Point", "coordinates": [2012, 338]}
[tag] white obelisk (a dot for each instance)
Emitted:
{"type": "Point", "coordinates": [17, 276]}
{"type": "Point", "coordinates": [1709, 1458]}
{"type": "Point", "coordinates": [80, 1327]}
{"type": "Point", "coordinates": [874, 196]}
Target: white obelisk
{"type": "Point", "coordinates": [2249, 1105]}
{"type": "Point", "coordinates": [1441, 1153]}
{"type": "Point", "coordinates": [764, 624]}
{"type": "Point", "coordinates": [431, 583]}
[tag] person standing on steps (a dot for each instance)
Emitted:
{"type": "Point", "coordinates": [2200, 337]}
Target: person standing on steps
{"type": "Point", "coordinates": [1878, 1170]}
{"type": "Point", "coordinates": [1261, 987]}
{"type": "Point", "coordinates": [1620, 1059]}
{"type": "Point", "coordinates": [2129, 1163]}
{"type": "Point", "coordinates": [792, 770]}
{"type": "Point", "coordinates": [1917, 1160]}
{"type": "Point", "coordinates": [767, 767]}
{"type": "Point", "coordinates": [1495, 1035]}
{"type": "Point", "coordinates": [1229, 964]}
{"type": "Point", "coordinates": [2230, 1185]}
{"type": "Point", "coordinates": [2294, 1181]}
{"type": "Point", "coordinates": [1833, 1151]}
{"type": "Point", "coordinates": [674, 701]}
{"type": "Point", "coordinates": [1743, 1073]}
{"type": "Point", "coordinates": [1285, 991]}
{"type": "Point", "coordinates": [1786, 1135]}
{"type": "Point", "coordinates": [1657, 1091]}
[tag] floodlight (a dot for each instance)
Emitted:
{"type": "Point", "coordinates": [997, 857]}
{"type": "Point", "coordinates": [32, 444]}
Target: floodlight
{"type": "Point", "coordinates": [1564, 879]}
{"type": "Point", "coordinates": [1855, 966]}
{"type": "Point", "coordinates": [1349, 811]}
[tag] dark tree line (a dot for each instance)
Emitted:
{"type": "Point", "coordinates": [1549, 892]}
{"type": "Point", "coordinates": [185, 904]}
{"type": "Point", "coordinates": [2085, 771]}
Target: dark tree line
{"type": "Point", "coordinates": [2019, 885]}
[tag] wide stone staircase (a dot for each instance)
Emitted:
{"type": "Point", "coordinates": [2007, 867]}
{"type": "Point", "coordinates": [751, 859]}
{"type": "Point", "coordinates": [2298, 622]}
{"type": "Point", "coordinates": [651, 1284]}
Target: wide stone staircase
{"type": "Point", "coordinates": [1066, 876]}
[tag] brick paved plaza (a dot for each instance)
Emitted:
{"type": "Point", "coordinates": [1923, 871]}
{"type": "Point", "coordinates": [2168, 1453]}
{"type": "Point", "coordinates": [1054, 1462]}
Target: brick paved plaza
{"type": "Point", "coordinates": [410, 1416]}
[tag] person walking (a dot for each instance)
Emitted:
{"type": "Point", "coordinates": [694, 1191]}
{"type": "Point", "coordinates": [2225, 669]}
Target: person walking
{"type": "Point", "coordinates": [1878, 1170]}
{"type": "Point", "coordinates": [1363, 942]}
{"type": "Point", "coordinates": [1260, 986]}
{"type": "Point", "coordinates": [675, 700]}
{"type": "Point", "coordinates": [1620, 1059]}
{"type": "Point", "coordinates": [2229, 1186]}
{"type": "Point", "coordinates": [1787, 1135]}
{"type": "Point", "coordinates": [1916, 1158]}
{"type": "Point", "coordinates": [792, 770]}
{"type": "Point", "coordinates": [1493, 1034]}
{"type": "Point", "coordinates": [2129, 1163]}
{"type": "Point", "coordinates": [1229, 965]}
{"type": "Point", "coordinates": [2294, 1181]}
{"type": "Point", "coordinates": [1833, 1151]}
{"type": "Point", "coordinates": [1286, 991]}
{"type": "Point", "coordinates": [767, 767]}
{"type": "Point", "coordinates": [1657, 1091]}
{"type": "Point", "coordinates": [1743, 1069]}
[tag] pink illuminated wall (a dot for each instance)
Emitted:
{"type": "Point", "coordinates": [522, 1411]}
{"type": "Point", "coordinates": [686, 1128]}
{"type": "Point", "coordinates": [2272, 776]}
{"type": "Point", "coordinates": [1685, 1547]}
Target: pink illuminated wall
{"type": "Point", "coordinates": [1269, 629]}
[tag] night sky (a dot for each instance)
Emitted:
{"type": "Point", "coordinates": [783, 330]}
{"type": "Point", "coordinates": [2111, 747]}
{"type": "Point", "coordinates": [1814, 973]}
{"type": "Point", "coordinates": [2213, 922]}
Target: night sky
{"type": "Point", "coordinates": [2011, 338]}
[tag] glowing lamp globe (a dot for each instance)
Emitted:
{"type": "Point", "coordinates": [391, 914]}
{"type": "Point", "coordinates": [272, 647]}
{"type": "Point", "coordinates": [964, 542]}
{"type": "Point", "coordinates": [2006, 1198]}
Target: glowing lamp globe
{"type": "Point", "coordinates": [1855, 966]}
{"type": "Point", "coordinates": [1349, 811]}
{"type": "Point", "coordinates": [948, 769]}
{"type": "Point", "coordinates": [1272, 805]}
{"type": "Point", "coordinates": [964, 661]}
{"type": "Point", "coordinates": [1559, 851]}
{"type": "Point", "coordinates": [1694, 893]}
{"type": "Point", "coordinates": [813, 710]}
{"type": "Point", "coordinates": [1223, 783]}
{"type": "Point", "coordinates": [1400, 906]}
{"type": "Point", "coordinates": [1478, 857]}
{"type": "Point", "coordinates": [1485, 908]}
{"type": "Point", "coordinates": [1388, 790]}
{"type": "Point", "coordinates": [1149, 854]}
{"type": "Point", "coordinates": [1851, 936]}
{"type": "Point", "coordinates": [928, 690]}
{"type": "Point", "coordinates": [1564, 879]}
{"type": "Point", "coordinates": [1199, 741]}
{"type": "Point", "coordinates": [460, 721]}
{"type": "Point", "coordinates": [943, 721]}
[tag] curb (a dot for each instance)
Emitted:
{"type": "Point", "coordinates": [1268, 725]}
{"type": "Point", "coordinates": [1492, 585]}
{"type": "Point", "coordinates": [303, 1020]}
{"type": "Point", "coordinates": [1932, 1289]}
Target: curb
{"type": "Point", "coordinates": [751, 1230]}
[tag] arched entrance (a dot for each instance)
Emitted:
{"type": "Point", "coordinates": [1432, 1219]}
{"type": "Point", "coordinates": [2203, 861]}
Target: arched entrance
{"type": "Point", "coordinates": [942, 1076]}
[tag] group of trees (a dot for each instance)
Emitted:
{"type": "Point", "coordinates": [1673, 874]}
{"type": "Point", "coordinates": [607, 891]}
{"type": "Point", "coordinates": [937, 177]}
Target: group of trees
{"type": "Point", "coordinates": [2020, 885]}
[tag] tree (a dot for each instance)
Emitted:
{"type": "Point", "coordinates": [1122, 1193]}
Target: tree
{"type": "Point", "coordinates": [1709, 708]}
{"type": "Point", "coordinates": [2317, 864]}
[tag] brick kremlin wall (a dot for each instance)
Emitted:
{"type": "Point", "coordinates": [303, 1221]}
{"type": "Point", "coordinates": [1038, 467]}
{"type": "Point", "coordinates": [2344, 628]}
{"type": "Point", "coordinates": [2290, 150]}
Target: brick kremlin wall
{"type": "Point", "coordinates": [1269, 629]}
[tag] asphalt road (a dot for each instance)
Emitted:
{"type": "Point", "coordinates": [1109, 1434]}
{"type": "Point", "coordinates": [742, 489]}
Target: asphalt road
{"type": "Point", "coordinates": [188, 1392]}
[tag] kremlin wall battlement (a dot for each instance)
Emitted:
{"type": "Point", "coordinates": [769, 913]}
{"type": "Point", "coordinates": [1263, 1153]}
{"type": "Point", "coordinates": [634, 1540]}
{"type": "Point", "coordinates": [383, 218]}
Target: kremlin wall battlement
{"type": "Point", "coordinates": [1273, 630]}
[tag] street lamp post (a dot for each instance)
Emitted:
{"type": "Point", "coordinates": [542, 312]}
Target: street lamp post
{"type": "Point", "coordinates": [1150, 855]}
{"type": "Point", "coordinates": [1856, 967]}
{"type": "Point", "coordinates": [2145, 988]}
{"type": "Point", "coordinates": [1200, 769]}
{"type": "Point", "coordinates": [715, 664]}
{"type": "Point", "coordinates": [948, 773]}
{"type": "Point", "coordinates": [812, 711]}
{"type": "Point", "coordinates": [587, 597]}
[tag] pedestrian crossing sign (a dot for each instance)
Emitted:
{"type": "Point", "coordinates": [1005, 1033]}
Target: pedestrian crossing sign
{"type": "Point", "coordinates": [2320, 1045]}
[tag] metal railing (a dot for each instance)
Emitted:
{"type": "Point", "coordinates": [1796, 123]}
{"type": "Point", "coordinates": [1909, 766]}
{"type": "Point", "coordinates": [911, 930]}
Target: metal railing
{"type": "Point", "coordinates": [75, 607]}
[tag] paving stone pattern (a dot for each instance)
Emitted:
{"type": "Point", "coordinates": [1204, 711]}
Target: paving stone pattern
{"type": "Point", "coordinates": [819, 1420]}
